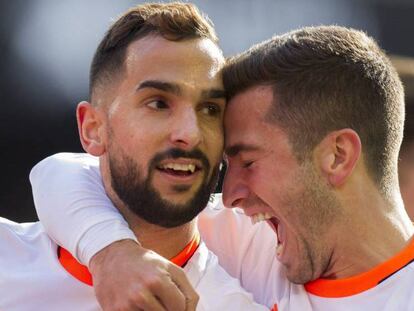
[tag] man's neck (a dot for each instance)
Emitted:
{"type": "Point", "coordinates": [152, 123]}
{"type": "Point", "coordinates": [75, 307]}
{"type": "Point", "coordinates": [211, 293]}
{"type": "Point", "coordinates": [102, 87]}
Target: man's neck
{"type": "Point", "coordinates": [167, 242]}
{"type": "Point", "coordinates": [373, 232]}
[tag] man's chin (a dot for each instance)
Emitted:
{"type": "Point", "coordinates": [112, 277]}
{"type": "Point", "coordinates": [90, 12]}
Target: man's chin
{"type": "Point", "coordinates": [182, 189]}
{"type": "Point", "coordinates": [177, 193]}
{"type": "Point", "coordinates": [177, 198]}
{"type": "Point", "coordinates": [297, 275]}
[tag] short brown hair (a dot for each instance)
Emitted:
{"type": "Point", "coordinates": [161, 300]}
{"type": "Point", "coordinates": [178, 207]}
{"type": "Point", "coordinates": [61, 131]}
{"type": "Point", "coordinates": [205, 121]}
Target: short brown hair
{"type": "Point", "coordinates": [324, 79]}
{"type": "Point", "coordinates": [173, 21]}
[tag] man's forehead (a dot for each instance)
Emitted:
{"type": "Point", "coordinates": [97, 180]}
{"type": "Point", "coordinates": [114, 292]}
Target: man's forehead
{"type": "Point", "coordinates": [255, 101]}
{"type": "Point", "coordinates": [184, 62]}
{"type": "Point", "coordinates": [156, 45]}
{"type": "Point", "coordinates": [232, 150]}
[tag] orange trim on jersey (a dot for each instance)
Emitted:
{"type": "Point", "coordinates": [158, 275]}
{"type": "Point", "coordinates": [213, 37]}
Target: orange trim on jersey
{"type": "Point", "coordinates": [81, 272]}
{"type": "Point", "coordinates": [274, 308]}
{"type": "Point", "coordinates": [184, 256]}
{"type": "Point", "coordinates": [364, 281]}
{"type": "Point", "coordinates": [73, 266]}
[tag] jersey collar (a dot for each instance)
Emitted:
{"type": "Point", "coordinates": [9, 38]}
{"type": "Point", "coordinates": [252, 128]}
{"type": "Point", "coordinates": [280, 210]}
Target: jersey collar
{"type": "Point", "coordinates": [364, 281]}
{"type": "Point", "coordinates": [81, 272]}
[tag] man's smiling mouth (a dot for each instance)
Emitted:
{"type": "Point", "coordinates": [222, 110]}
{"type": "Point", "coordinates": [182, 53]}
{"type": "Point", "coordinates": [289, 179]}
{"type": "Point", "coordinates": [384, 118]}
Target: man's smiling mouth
{"type": "Point", "coordinates": [274, 223]}
{"type": "Point", "coordinates": [179, 169]}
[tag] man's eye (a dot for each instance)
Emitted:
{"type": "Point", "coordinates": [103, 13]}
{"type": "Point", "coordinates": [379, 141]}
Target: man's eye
{"type": "Point", "coordinates": [247, 164]}
{"type": "Point", "coordinates": [211, 109]}
{"type": "Point", "coordinates": [158, 104]}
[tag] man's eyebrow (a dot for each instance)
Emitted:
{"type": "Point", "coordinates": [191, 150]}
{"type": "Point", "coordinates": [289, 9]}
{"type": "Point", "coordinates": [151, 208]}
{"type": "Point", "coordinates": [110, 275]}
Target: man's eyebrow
{"type": "Point", "coordinates": [176, 90]}
{"type": "Point", "coordinates": [213, 93]}
{"type": "Point", "coordinates": [234, 150]}
{"type": "Point", "coordinates": [160, 85]}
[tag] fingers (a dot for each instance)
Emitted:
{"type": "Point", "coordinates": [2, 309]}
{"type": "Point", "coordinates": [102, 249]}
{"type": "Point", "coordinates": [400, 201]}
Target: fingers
{"type": "Point", "coordinates": [180, 279]}
{"type": "Point", "coordinates": [171, 296]}
{"type": "Point", "coordinates": [145, 301]}
{"type": "Point", "coordinates": [136, 299]}
{"type": "Point", "coordinates": [127, 277]}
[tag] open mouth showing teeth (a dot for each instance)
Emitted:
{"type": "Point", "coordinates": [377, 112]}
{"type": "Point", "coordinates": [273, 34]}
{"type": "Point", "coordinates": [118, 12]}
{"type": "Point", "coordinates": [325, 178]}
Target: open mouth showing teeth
{"type": "Point", "coordinates": [274, 223]}
{"type": "Point", "coordinates": [271, 220]}
{"type": "Point", "coordinates": [278, 229]}
{"type": "Point", "coordinates": [178, 169]}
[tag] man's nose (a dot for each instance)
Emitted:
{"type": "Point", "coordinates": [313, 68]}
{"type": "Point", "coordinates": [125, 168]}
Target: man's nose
{"type": "Point", "coordinates": [185, 132]}
{"type": "Point", "coordinates": [235, 188]}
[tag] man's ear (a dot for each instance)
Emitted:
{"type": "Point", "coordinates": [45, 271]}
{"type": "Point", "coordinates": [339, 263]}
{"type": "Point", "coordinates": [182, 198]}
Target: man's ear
{"type": "Point", "coordinates": [90, 127]}
{"type": "Point", "coordinates": [337, 155]}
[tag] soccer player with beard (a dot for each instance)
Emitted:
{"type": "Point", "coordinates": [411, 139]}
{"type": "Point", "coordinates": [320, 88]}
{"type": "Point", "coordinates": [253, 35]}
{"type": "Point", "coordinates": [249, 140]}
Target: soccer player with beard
{"type": "Point", "coordinates": [313, 128]}
{"type": "Point", "coordinates": [155, 121]}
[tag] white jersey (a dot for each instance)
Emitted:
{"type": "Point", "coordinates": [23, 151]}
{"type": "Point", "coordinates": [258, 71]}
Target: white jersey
{"type": "Point", "coordinates": [68, 186]}
{"type": "Point", "coordinates": [248, 253]}
{"type": "Point", "coordinates": [34, 277]}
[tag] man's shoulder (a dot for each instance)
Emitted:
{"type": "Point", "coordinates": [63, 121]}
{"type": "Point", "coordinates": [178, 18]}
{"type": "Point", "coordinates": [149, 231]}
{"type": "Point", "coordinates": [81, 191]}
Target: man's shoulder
{"type": "Point", "coordinates": [64, 163]}
{"type": "Point", "coordinates": [84, 158]}
{"type": "Point", "coordinates": [20, 230]}
{"type": "Point", "coordinates": [31, 274]}
{"type": "Point", "coordinates": [217, 289]}
{"type": "Point", "coordinates": [20, 238]}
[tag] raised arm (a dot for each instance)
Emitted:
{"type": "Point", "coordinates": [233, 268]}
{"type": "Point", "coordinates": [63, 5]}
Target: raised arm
{"type": "Point", "coordinates": [72, 205]}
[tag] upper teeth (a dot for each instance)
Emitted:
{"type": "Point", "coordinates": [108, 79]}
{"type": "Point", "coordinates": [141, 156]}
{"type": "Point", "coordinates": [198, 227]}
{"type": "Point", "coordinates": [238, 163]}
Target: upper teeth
{"type": "Point", "coordinates": [180, 167]}
{"type": "Point", "coordinates": [260, 217]}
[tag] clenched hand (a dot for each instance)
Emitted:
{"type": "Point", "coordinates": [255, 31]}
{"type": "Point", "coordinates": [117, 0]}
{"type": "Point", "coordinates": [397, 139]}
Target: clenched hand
{"type": "Point", "coordinates": [129, 277]}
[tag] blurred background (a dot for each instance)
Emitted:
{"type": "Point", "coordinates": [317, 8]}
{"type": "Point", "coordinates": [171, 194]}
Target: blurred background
{"type": "Point", "coordinates": [46, 47]}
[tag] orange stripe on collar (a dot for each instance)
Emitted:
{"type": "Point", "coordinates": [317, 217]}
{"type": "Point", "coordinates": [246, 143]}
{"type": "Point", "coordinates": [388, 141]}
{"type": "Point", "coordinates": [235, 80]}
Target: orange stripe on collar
{"type": "Point", "coordinates": [184, 256]}
{"type": "Point", "coordinates": [364, 281]}
{"type": "Point", "coordinates": [81, 272]}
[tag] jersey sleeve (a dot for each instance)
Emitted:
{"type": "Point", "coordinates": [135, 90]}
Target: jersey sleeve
{"type": "Point", "coordinates": [73, 207]}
